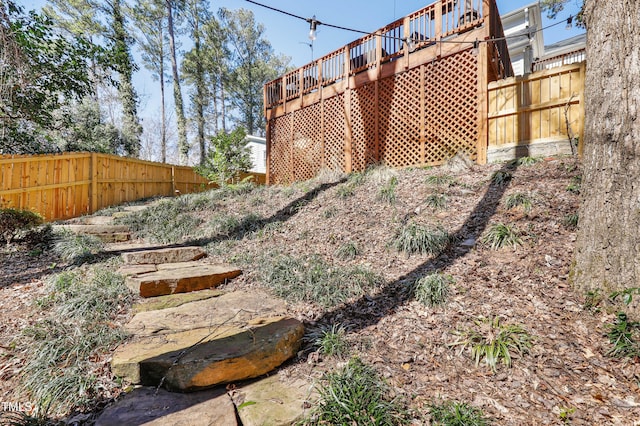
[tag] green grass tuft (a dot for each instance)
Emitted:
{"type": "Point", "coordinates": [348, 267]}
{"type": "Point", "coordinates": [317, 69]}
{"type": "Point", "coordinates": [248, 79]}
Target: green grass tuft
{"type": "Point", "coordinates": [624, 335]}
{"type": "Point", "coordinates": [500, 235]}
{"type": "Point", "coordinates": [311, 279]}
{"type": "Point", "coordinates": [78, 325]}
{"type": "Point", "coordinates": [452, 413]}
{"type": "Point", "coordinates": [387, 192]}
{"type": "Point", "coordinates": [76, 248]}
{"type": "Point", "coordinates": [576, 185]}
{"type": "Point", "coordinates": [519, 199]}
{"type": "Point", "coordinates": [494, 342]}
{"type": "Point", "coordinates": [441, 180]}
{"type": "Point", "coordinates": [525, 161]}
{"type": "Point", "coordinates": [501, 178]}
{"type": "Point", "coordinates": [570, 221]}
{"type": "Point", "coordinates": [415, 238]}
{"type": "Point", "coordinates": [357, 395]}
{"type": "Point", "coordinates": [347, 251]}
{"type": "Point", "coordinates": [330, 341]}
{"type": "Point", "coordinates": [437, 201]}
{"type": "Point", "coordinates": [433, 289]}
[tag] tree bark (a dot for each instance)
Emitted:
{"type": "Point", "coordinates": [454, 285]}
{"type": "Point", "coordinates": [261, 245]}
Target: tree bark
{"type": "Point", "coordinates": [183, 146]}
{"type": "Point", "coordinates": [608, 241]}
{"type": "Point", "coordinates": [163, 130]}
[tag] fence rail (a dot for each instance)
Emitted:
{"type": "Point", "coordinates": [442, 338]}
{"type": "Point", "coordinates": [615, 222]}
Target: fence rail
{"type": "Point", "coordinates": [536, 113]}
{"type": "Point", "coordinates": [68, 185]}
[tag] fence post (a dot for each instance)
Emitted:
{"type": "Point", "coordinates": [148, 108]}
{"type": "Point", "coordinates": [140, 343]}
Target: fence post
{"type": "Point", "coordinates": [173, 180]}
{"type": "Point", "coordinates": [93, 187]}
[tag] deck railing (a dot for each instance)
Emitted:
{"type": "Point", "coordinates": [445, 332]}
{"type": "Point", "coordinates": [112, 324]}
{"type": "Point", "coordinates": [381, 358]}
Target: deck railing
{"type": "Point", "coordinates": [439, 21]}
{"type": "Point", "coordinates": [560, 60]}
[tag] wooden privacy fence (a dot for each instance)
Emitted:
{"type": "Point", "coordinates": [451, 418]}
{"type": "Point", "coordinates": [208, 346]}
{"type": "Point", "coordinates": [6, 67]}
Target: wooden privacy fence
{"type": "Point", "coordinates": [536, 114]}
{"type": "Point", "coordinates": [68, 185]}
{"type": "Point", "coordinates": [413, 92]}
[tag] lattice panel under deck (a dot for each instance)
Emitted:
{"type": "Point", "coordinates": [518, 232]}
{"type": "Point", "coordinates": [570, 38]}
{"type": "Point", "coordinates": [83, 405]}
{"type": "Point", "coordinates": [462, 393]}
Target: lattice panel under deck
{"type": "Point", "coordinates": [363, 118]}
{"type": "Point", "coordinates": [280, 154]}
{"type": "Point", "coordinates": [307, 142]}
{"type": "Point", "coordinates": [400, 119]}
{"type": "Point", "coordinates": [451, 107]}
{"type": "Point", "coordinates": [334, 119]}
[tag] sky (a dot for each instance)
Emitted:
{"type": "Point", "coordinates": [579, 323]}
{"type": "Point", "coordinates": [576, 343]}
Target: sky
{"type": "Point", "coordinates": [289, 35]}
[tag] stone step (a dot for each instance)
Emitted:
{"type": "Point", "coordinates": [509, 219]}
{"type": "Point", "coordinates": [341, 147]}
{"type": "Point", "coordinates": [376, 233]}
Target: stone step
{"type": "Point", "coordinates": [274, 401]}
{"type": "Point", "coordinates": [97, 220]}
{"type": "Point", "coordinates": [106, 233]}
{"type": "Point", "coordinates": [205, 357]}
{"type": "Point", "coordinates": [181, 280]}
{"type": "Point", "coordinates": [165, 255]}
{"type": "Point", "coordinates": [153, 407]}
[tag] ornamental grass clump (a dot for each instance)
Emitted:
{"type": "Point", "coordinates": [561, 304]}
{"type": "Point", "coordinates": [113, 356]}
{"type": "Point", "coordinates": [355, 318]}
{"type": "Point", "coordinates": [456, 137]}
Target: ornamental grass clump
{"type": "Point", "coordinates": [415, 238]}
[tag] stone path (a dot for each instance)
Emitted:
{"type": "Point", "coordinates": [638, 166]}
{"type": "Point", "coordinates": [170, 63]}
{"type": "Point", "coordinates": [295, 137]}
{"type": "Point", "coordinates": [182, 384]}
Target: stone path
{"type": "Point", "coordinates": [188, 337]}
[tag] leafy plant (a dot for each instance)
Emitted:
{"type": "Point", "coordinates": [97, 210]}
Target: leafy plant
{"type": "Point", "coordinates": [330, 341]}
{"type": "Point", "coordinates": [500, 235]}
{"type": "Point", "coordinates": [623, 335]}
{"type": "Point", "coordinates": [519, 199]}
{"type": "Point", "coordinates": [576, 185]}
{"type": "Point", "coordinates": [627, 295]}
{"type": "Point", "coordinates": [453, 413]}
{"type": "Point", "coordinates": [436, 201]}
{"type": "Point", "coordinates": [415, 238]}
{"type": "Point", "coordinates": [440, 180]}
{"type": "Point", "coordinates": [593, 298]}
{"type": "Point", "coordinates": [311, 279]}
{"type": "Point", "coordinates": [227, 157]}
{"type": "Point", "coordinates": [387, 192]}
{"type": "Point", "coordinates": [77, 326]}
{"type": "Point", "coordinates": [492, 341]}
{"type": "Point", "coordinates": [433, 289]}
{"type": "Point", "coordinates": [14, 220]}
{"type": "Point", "coordinates": [357, 395]}
{"type": "Point", "coordinates": [347, 251]}
{"type": "Point", "coordinates": [501, 178]}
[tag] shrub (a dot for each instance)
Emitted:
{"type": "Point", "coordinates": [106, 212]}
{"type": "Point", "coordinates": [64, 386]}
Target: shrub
{"type": "Point", "coordinates": [357, 395]}
{"type": "Point", "coordinates": [227, 157]}
{"type": "Point", "coordinates": [494, 342]}
{"type": "Point", "coordinates": [78, 325]}
{"type": "Point", "coordinates": [452, 413]}
{"type": "Point", "coordinates": [311, 279]}
{"type": "Point", "coordinates": [501, 235]}
{"type": "Point", "coordinates": [415, 238]}
{"type": "Point", "coordinates": [433, 289]}
{"type": "Point", "coordinates": [13, 220]}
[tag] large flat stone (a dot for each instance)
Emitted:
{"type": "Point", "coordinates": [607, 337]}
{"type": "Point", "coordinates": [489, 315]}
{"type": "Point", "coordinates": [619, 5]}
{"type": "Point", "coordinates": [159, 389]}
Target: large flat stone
{"type": "Point", "coordinates": [166, 255]}
{"type": "Point", "coordinates": [274, 401]}
{"type": "Point", "coordinates": [203, 358]}
{"type": "Point", "coordinates": [236, 308]}
{"type": "Point", "coordinates": [128, 270]}
{"type": "Point", "coordinates": [173, 300]}
{"type": "Point", "coordinates": [181, 280]}
{"type": "Point", "coordinates": [97, 220]}
{"type": "Point", "coordinates": [94, 229]}
{"type": "Point", "coordinates": [146, 406]}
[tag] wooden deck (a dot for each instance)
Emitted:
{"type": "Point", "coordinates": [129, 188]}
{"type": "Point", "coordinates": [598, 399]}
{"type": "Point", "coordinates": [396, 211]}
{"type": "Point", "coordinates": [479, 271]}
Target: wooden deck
{"type": "Point", "coordinates": [378, 100]}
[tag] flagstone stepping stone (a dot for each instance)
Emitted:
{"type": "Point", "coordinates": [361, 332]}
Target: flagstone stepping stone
{"type": "Point", "coordinates": [205, 357]}
{"type": "Point", "coordinates": [236, 308]}
{"type": "Point", "coordinates": [165, 255]}
{"type": "Point", "coordinates": [173, 300]}
{"type": "Point", "coordinates": [181, 280]}
{"type": "Point", "coordinates": [97, 220]}
{"type": "Point", "coordinates": [106, 233]}
{"type": "Point", "coordinates": [128, 270]}
{"type": "Point", "coordinates": [274, 401]}
{"type": "Point", "coordinates": [153, 407]}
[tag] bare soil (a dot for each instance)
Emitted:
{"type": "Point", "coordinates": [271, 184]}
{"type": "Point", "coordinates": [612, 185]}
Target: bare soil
{"type": "Point", "coordinates": [567, 378]}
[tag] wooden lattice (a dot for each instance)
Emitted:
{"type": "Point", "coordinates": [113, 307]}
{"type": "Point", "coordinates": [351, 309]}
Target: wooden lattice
{"type": "Point", "coordinates": [451, 107]}
{"type": "Point", "coordinates": [399, 108]}
{"type": "Point", "coordinates": [363, 118]}
{"type": "Point", "coordinates": [307, 142]}
{"type": "Point", "coordinates": [280, 166]}
{"type": "Point", "coordinates": [334, 133]}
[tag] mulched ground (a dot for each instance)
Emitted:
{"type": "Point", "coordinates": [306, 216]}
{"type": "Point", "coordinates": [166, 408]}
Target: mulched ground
{"type": "Point", "coordinates": [566, 374]}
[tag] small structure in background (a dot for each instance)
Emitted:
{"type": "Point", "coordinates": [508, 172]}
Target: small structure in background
{"type": "Point", "coordinates": [524, 50]}
{"type": "Point", "coordinates": [565, 52]}
{"type": "Point", "coordinates": [258, 147]}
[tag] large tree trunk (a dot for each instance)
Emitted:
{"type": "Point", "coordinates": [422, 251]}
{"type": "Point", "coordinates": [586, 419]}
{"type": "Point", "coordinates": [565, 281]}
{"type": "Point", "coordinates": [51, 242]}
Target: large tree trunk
{"type": "Point", "coordinates": [163, 130]}
{"type": "Point", "coordinates": [608, 241]}
{"type": "Point", "coordinates": [183, 146]}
